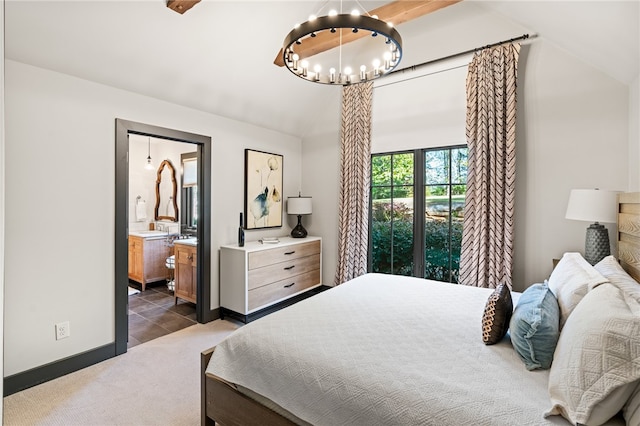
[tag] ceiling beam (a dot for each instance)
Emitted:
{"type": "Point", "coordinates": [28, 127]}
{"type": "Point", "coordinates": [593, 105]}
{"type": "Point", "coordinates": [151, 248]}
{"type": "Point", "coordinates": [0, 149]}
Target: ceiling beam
{"type": "Point", "coordinates": [181, 6]}
{"type": "Point", "coordinates": [396, 12]}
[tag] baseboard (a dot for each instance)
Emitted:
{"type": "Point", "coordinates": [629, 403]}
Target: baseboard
{"type": "Point", "coordinates": [273, 308]}
{"type": "Point", "coordinates": [212, 315]}
{"type": "Point", "coordinates": [35, 376]}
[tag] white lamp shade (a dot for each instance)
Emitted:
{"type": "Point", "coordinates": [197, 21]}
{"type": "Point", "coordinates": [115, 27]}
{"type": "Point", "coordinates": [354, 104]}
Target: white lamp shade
{"type": "Point", "coordinates": [299, 205]}
{"type": "Point", "coordinates": [592, 205]}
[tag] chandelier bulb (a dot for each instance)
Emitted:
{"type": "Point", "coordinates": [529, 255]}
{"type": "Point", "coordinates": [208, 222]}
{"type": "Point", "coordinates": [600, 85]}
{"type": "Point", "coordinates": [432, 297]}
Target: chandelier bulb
{"type": "Point", "coordinates": [333, 12]}
{"type": "Point", "coordinates": [355, 12]}
{"type": "Point", "coordinates": [317, 68]}
{"type": "Point", "coordinates": [312, 17]}
{"type": "Point", "coordinates": [387, 60]}
{"type": "Point", "coordinates": [363, 72]}
{"type": "Point", "coordinates": [296, 57]}
{"type": "Point", "coordinates": [332, 75]}
{"type": "Point", "coordinates": [305, 67]}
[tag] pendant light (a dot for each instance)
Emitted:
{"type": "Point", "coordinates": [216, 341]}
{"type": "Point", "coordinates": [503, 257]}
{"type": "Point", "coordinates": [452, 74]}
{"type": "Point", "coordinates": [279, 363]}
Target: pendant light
{"type": "Point", "coordinates": [149, 165]}
{"type": "Point", "coordinates": [335, 28]}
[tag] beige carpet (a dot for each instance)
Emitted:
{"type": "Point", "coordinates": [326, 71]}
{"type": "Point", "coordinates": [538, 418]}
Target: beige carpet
{"type": "Point", "coordinates": [155, 383]}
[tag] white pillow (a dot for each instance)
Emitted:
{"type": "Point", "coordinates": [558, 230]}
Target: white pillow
{"type": "Point", "coordinates": [613, 272]}
{"type": "Point", "coordinates": [596, 364]}
{"type": "Point", "coordinates": [570, 281]}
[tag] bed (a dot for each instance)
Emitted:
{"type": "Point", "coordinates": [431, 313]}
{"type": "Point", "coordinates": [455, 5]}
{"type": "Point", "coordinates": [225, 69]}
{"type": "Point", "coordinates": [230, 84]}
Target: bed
{"type": "Point", "coordinates": [351, 356]}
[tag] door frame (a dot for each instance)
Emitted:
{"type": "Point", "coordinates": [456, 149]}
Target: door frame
{"type": "Point", "coordinates": [203, 297]}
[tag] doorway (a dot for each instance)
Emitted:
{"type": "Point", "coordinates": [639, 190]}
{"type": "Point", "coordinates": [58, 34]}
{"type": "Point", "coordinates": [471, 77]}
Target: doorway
{"type": "Point", "coordinates": [124, 129]}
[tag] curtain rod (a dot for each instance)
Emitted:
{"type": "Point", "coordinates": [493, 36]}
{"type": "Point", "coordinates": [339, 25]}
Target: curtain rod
{"type": "Point", "coordinates": [466, 52]}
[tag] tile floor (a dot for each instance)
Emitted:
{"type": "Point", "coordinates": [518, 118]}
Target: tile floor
{"type": "Point", "coordinates": [152, 313]}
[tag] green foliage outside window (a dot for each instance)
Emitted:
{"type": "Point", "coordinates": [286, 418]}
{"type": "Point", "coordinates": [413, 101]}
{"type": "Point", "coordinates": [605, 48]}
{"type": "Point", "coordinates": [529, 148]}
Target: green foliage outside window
{"type": "Point", "coordinates": [392, 228]}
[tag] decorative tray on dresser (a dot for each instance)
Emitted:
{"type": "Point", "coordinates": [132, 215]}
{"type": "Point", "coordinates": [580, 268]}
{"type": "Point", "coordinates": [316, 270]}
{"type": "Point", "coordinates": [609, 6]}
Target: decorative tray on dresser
{"type": "Point", "coordinates": [258, 276]}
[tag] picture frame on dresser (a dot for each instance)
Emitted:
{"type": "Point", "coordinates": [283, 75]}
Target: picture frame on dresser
{"type": "Point", "coordinates": [263, 181]}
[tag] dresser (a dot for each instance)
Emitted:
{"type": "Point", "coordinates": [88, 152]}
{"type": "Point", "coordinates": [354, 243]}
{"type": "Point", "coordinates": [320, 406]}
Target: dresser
{"type": "Point", "coordinates": [257, 276]}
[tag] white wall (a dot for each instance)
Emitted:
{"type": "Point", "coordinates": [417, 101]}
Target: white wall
{"type": "Point", "coordinates": [2, 192]}
{"type": "Point", "coordinates": [60, 160]}
{"type": "Point", "coordinates": [572, 132]}
{"type": "Point", "coordinates": [634, 135]}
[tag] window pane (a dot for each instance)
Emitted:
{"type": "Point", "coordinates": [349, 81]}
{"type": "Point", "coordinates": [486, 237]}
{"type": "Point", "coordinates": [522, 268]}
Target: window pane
{"type": "Point", "coordinates": [436, 200]}
{"type": "Point", "coordinates": [436, 242]}
{"type": "Point", "coordinates": [458, 166]}
{"type": "Point", "coordinates": [381, 247]}
{"type": "Point", "coordinates": [380, 170]}
{"type": "Point", "coordinates": [436, 167]}
{"type": "Point", "coordinates": [403, 230]}
{"type": "Point", "coordinates": [403, 169]}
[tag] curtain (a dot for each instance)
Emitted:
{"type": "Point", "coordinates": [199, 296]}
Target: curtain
{"type": "Point", "coordinates": [355, 156]}
{"type": "Point", "coordinates": [487, 238]}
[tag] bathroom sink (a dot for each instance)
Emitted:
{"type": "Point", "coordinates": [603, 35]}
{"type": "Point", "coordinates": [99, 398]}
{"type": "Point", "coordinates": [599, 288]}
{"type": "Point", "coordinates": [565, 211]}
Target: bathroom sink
{"type": "Point", "coordinates": [150, 233]}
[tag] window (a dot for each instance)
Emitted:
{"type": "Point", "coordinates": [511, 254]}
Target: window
{"type": "Point", "coordinates": [429, 181]}
{"type": "Point", "coordinates": [189, 199]}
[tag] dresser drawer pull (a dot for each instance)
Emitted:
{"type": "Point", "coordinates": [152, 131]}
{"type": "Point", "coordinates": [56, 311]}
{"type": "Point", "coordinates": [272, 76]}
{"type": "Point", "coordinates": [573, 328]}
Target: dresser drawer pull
{"type": "Point", "coordinates": [289, 267]}
{"type": "Point", "coordinates": [290, 252]}
{"type": "Point", "coordinates": [289, 285]}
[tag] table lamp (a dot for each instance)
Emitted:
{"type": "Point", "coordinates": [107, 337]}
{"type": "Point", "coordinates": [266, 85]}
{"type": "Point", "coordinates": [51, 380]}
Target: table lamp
{"type": "Point", "coordinates": [594, 205]}
{"type": "Point", "coordinates": [299, 205]}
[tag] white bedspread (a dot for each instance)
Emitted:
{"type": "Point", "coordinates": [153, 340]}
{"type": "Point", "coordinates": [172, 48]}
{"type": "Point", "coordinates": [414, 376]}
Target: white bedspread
{"type": "Point", "coordinates": [385, 350]}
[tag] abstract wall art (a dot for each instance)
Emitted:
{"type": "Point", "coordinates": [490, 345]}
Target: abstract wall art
{"type": "Point", "coordinates": [262, 189]}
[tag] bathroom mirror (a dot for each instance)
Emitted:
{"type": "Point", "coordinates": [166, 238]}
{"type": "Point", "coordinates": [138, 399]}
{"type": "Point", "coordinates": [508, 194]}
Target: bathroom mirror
{"type": "Point", "coordinates": [166, 191]}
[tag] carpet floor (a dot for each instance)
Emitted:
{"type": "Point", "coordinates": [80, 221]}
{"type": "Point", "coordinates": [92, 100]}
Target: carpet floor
{"type": "Point", "coordinates": [155, 383]}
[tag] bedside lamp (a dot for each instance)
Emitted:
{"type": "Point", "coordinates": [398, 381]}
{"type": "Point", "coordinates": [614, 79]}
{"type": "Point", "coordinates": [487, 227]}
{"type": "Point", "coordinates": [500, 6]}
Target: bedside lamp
{"type": "Point", "coordinates": [594, 205]}
{"type": "Point", "coordinates": [299, 205]}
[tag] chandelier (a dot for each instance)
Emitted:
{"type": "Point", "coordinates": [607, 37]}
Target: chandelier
{"type": "Point", "coordinates": [379, 52]}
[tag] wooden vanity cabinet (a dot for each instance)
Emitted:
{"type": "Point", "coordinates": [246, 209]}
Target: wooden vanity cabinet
{"type": "Point", "coordinates": [186, 281]}
{"type": "Point", "coordinates": [147, 259]}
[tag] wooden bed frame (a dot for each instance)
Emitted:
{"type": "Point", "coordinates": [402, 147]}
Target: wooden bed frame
{"type": "Point", "coordinates": [222, 402]}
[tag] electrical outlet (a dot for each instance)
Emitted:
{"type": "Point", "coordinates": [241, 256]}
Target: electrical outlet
{"type": "Point", "coordinates": [63, 330]}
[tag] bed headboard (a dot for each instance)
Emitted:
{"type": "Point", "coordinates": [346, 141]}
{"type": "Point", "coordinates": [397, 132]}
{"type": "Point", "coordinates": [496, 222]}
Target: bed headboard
{"type": "Point", "coordinates": [629, 233]}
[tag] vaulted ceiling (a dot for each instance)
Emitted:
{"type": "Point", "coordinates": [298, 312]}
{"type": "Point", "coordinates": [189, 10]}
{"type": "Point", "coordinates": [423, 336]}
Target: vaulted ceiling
{"type": "Point", "coordinates": [218, 56]}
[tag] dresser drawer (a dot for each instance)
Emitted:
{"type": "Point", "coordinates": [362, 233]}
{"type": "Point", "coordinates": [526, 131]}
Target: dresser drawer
{"type": "Point", "coordinates": [281, 289]}
{"type": "Point", "coordinates": [262, 258]}
{"type": "Point", "coordinates": [282, 271]}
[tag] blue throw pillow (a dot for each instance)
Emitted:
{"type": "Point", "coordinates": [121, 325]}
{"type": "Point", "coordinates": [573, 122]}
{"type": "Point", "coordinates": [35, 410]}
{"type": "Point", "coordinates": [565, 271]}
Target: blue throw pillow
{"type": "Point", "coordinates": [535, 327]}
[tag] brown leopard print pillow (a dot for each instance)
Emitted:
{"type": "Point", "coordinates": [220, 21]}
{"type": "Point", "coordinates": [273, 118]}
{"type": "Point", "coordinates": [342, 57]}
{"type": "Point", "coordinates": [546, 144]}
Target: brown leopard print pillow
{"type": "Point", "coordinates": [497, 313]}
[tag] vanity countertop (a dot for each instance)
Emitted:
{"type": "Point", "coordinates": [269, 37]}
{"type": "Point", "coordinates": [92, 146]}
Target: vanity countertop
{"type": "Point", "coordinates": [149, 234]}
{"type": "Point", "coordinates": [187, 242]}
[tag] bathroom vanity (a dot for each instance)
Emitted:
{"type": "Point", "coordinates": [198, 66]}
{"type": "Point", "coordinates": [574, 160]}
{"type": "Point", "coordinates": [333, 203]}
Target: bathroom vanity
{"type": "Point", "coordinates": [148, 252]}
{"type": "Point", "coordinates": [186, 264]}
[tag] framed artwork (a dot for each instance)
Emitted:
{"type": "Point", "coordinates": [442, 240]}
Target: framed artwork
{"type": "Point", "coordinates": [262, 189]}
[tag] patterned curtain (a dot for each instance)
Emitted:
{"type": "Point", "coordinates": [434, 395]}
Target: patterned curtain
{"type": "Point", "coordinates": [487, 238]}
{"type": "Point", "coordinates": [355, 150]}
